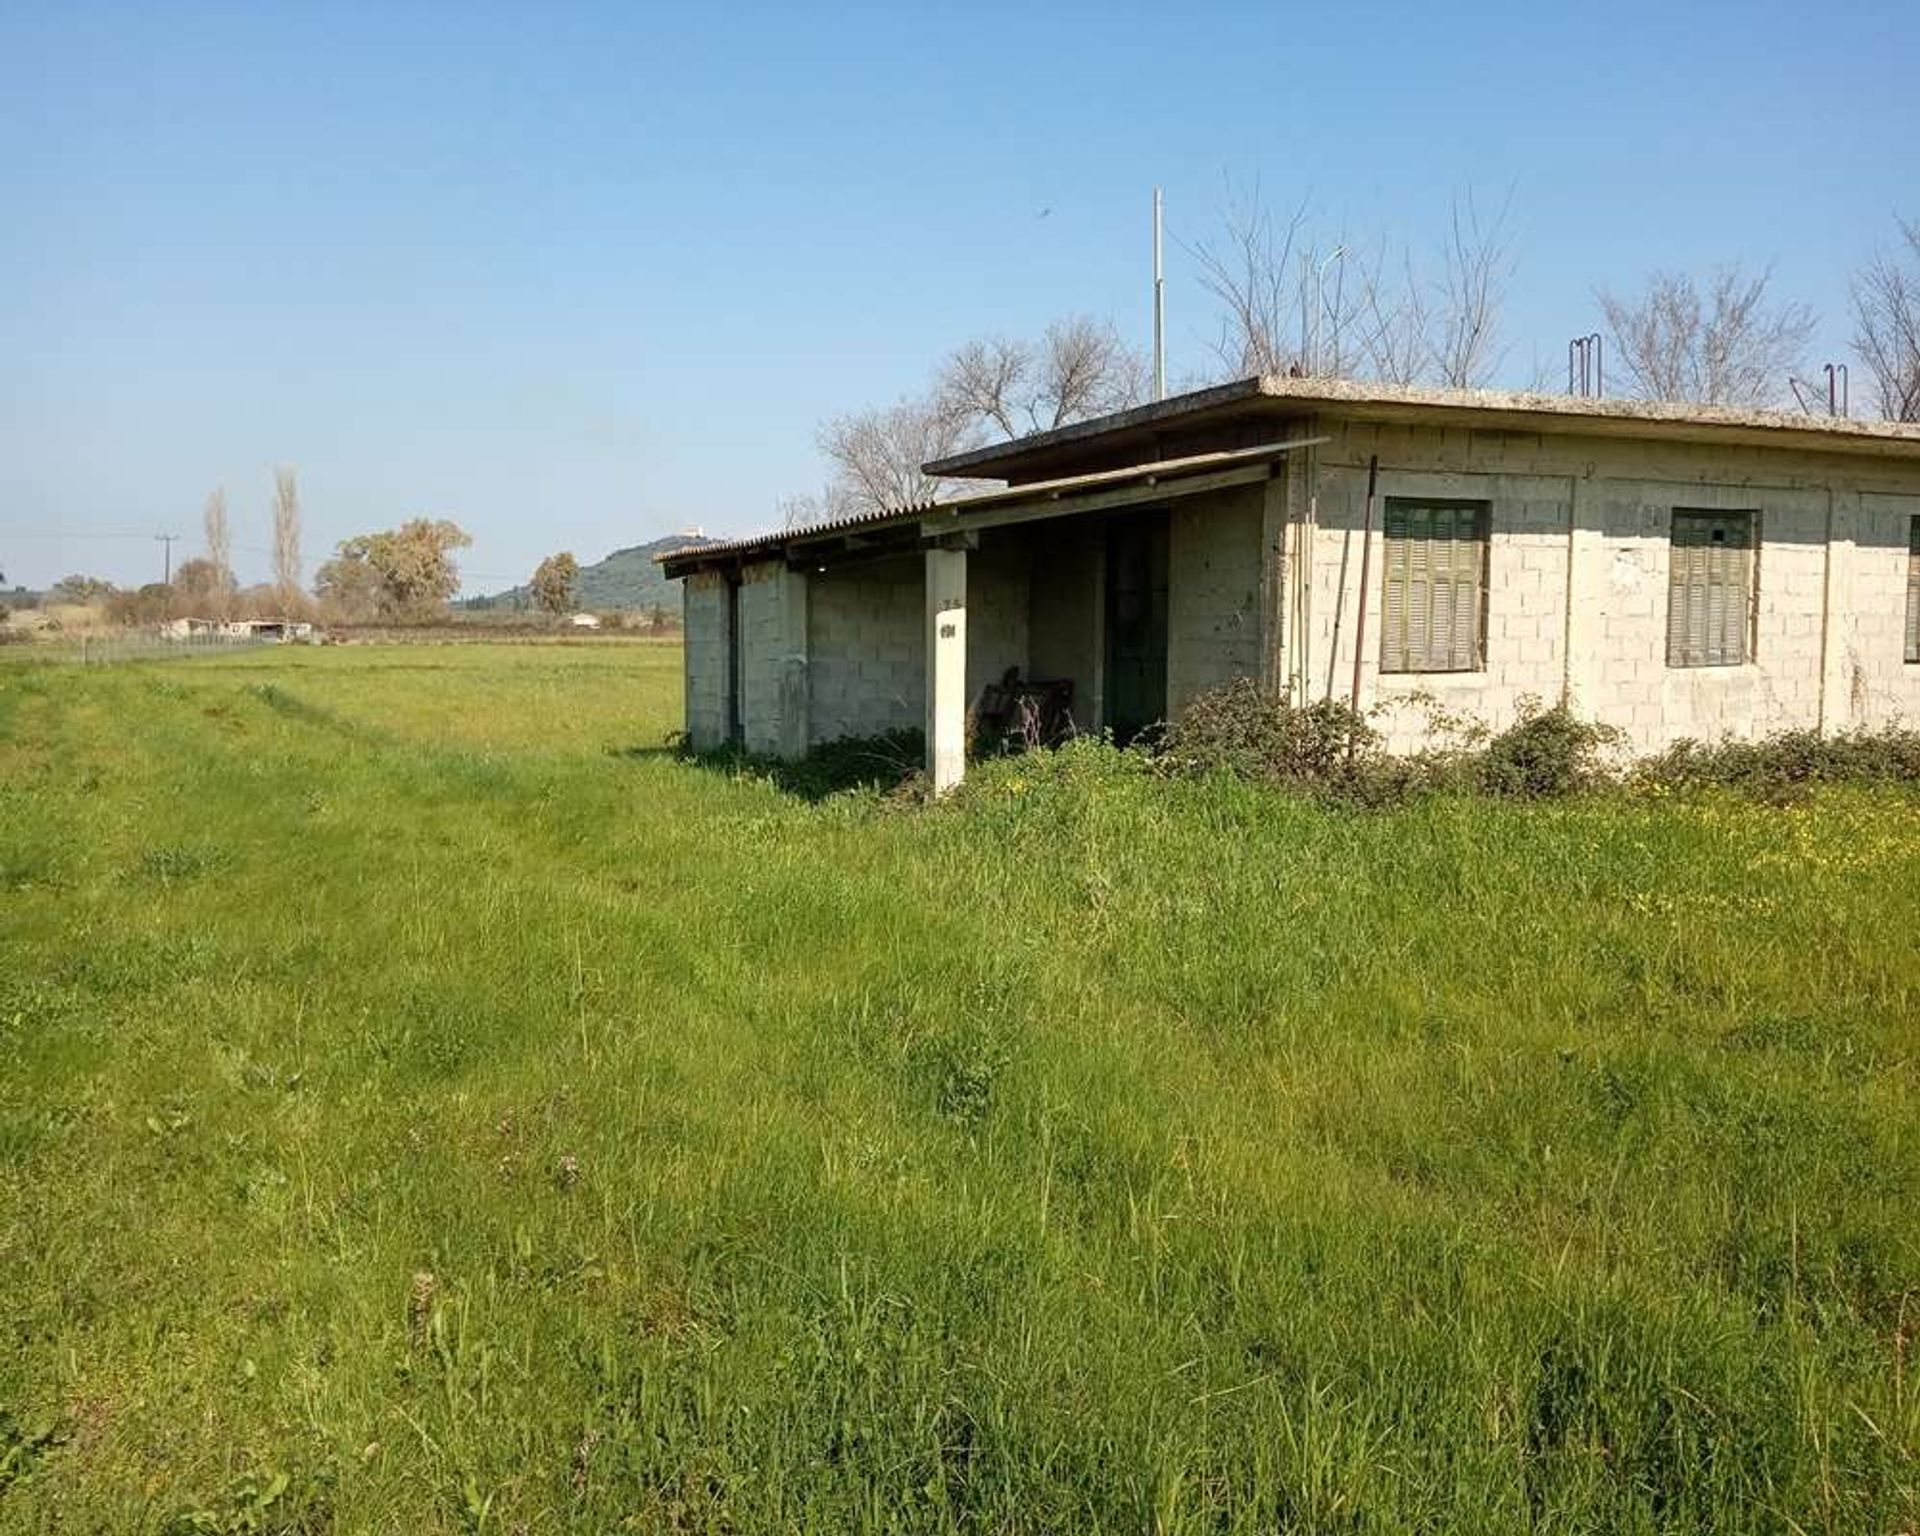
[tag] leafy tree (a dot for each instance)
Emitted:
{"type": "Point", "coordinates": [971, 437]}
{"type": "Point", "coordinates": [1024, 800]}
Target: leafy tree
{"type": "Point", "coordinates": [200, 579]}
{"type": "Point", "coordinates": [348, 588]}
{"type": "Point", "coordinates": [82, 589]}
{"type": "Point", "coordinates": [553, 582]}
{"type": "Point", "coordinates": [407, 572]}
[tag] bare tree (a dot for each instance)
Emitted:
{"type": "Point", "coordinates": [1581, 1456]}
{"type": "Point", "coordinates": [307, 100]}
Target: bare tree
{"type": "Point", "coordinates": [984, 380]}
{"type": "Point", "coordinates": [1475, 267]}
{"type": "Point", "coordinates": [219, 543]}
{"type": "Point", "coordinates": [1393, 322]}
{"type": "Point", "coordinates": [877, 454]}
{"type": "Point", "coordinates": [1360, 308]}
{"type": "Point", "coordinates": [1250, 270]}
{"type": "Point", "coordinates": [286, 533]}
{"type": "Point", "coordinates": [1080, 369]}
{"type": "Point", "coordinates": [807, 509]}
{"type": "Point", "coordinates": [1886, 325]}
{"type": "Point", "coordinates": [1085, 370]}
{"type": "Point", "coordinates": [1729, 346]}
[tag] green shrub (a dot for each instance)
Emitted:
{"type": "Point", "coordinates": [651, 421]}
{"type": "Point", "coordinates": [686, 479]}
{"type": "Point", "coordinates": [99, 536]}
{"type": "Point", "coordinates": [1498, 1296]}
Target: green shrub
{"type": "Point", "coordinates": [1787, 764]}
{"type": "Point", "coordinates": [1243, 730]}
{"type": "Point", "coordinates": [1545, 754]}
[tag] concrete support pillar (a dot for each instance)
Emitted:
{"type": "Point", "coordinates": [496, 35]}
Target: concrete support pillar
{"type": "Point", "coordinates": [946, 667]}
{"type": "Point", "coordinates": [1584, 639]}
{"type": "Point", "coordinates": [1274, 579]}
{"type": "Point", "coordinates": [1838, 710]}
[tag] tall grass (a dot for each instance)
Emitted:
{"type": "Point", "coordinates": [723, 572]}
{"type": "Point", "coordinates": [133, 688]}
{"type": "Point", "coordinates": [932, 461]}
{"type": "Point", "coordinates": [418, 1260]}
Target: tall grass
{"type": "Point", "coordinates": [427, 1104]}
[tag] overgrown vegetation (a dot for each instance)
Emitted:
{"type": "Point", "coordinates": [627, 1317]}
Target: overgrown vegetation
{"type": "Point", "coordinates": [428, 1103]}
{"type": "Point", "coordinates": [1328, 750]}
{"type": "Point", "coordinates": [1786, 765]}
{"type": "Point", "coordinates": [854, 763]}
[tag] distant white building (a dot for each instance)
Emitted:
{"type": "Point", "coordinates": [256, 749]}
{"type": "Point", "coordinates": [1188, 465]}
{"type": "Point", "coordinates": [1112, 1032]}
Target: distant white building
{"type": "Point", "coordinates": [585, 621]}
{"type": "Point", "coordinates": [266, 629]}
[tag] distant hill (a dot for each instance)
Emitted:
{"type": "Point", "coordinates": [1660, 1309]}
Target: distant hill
{"type": "Point", "coordinates": [627, 578]}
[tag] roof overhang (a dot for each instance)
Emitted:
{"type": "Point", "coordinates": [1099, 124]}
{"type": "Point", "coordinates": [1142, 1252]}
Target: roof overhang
{"type": "Point", "coordinates": [1104, 490]}
{"type": "Point", "coordinates": [1247, 402]}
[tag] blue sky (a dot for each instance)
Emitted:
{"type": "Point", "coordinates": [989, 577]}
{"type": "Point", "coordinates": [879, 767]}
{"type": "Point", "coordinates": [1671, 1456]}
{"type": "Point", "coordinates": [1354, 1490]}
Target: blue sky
{"type": "Point", "coordinates": [579, 275]}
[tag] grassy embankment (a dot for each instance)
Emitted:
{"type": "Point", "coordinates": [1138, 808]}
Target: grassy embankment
{"type": "Point", "coordinates": [427, 1105]}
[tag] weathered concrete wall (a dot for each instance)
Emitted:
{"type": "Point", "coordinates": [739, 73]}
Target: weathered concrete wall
{"type": "Point", "coordinates": [867, 648]}
{"type": "Point", "coordinates": [705, 612]}
{"type": "Point", "coordinates": [773, 659]}
{"type": "Point", "coordinates": [1213, 591]}
{"type": "Point", "coordinates": [1064, 634]}
{"type": "Point", "coordinates": [1869, 683]}
{"type": "Point", "coordinates": [866, 638]}
{"type": "Point", "coordinates": [997, 608]}
{"type": "Point", "coordinates": [1578, 572]}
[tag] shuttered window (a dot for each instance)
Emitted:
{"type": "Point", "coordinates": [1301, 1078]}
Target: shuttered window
{"type": "Point", "coordinates": [1913, 589]}
{"type": "Point", "coordinates": [1434, 605]}
{"type": "Point", "coordinates": [1710, 589]}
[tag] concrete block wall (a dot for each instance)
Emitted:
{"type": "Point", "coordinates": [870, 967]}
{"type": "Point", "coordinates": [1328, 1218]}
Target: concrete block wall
{"type": "Point", "coordinates": [866, 645]}
{"type": "Point", "coordinates": [1526, 599]}
{"type": "Point", "coordinates": [773, 658]}
{"type": "Point", "coordinates": [1869, 681]}
{"type": "Point", "coordinates": [1577, 590]}
{"type": "Point", "coordinates": [866, 640]}
{"type": "Point", "coordinates": [705, 612]}
{"type": "Point", "coordinates": [998, 607]}
{"type": "Point", "coordinates": [1656, 704]}
{"type": "Point", "coordinates": [1213, 591]}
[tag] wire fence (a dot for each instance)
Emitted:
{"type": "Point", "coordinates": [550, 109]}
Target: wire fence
{"type": "Point", "coordinates": [102, 647]}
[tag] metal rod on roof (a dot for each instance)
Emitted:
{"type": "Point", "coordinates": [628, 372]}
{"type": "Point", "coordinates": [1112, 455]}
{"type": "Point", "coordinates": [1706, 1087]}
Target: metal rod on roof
{"type": "Point", "coordinates": [1159, 306]}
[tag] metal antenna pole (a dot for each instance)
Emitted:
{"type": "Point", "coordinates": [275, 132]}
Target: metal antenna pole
{"type": "Point", "coordinates": [1159, 307]}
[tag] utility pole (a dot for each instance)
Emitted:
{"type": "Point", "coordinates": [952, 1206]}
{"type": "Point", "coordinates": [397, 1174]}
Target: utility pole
{"type": "Point", "coordinates": [1159, 307]}
{"type": "Point", "coordinates": [167, 539]}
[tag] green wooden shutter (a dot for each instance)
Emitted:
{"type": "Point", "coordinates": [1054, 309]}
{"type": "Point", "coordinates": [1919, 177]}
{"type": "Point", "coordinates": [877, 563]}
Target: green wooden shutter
{"type": "Point", "coordinates": [1710, 589]}
{"type": "Point", "coordinates": [1913, 589]}
{"type": "Point", "coordinates": [1433, 586]}
{"type": "Point", "coordinates": [1419, 589]}
{"type": "Point", "coordinates": [1466, 552]}
{"type": "Point", "coordinates": [1686, 607]}
{"type": "Point", "coordinates": [1396, 578]}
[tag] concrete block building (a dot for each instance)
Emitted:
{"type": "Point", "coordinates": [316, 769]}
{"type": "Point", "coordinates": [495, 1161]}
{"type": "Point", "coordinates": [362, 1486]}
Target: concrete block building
{"type": "Point", "coordinates": [1673, 570]}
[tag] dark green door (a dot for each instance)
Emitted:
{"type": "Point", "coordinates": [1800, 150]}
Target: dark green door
{"type": "Point", "coordinates": [1136, 623]}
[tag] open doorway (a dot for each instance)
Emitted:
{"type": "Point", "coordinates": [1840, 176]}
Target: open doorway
{"type": "Point", "coordinates": [1136, 600]}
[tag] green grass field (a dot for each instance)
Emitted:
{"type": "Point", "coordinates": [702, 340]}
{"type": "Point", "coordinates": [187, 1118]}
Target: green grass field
{"type": "Point", "coordinates": [426, 1105]}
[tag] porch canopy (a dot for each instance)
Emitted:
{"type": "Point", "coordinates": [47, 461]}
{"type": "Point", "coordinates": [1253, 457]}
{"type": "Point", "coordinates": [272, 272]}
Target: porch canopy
{"type": "Point", "coordinates": [937, 522]}
{"type": "Point", "coordinates": [945, 532]}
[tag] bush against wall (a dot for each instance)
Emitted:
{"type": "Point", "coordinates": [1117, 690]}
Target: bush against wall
{"type": "Point", "coordinates": [1327, 749]}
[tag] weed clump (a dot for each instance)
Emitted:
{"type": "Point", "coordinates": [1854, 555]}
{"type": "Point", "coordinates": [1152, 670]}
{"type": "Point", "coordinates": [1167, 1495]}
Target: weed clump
{"type": "Point", "coordinates": [1546, 754]}
{"type": "Point", "coordinates": [1249, 733]}
{"type": "Point", "coordinates": [1787, 764]}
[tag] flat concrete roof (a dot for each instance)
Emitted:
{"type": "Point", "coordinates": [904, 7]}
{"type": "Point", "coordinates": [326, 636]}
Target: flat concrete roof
{"type": "Point", "coordinates": [1492, 410]}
